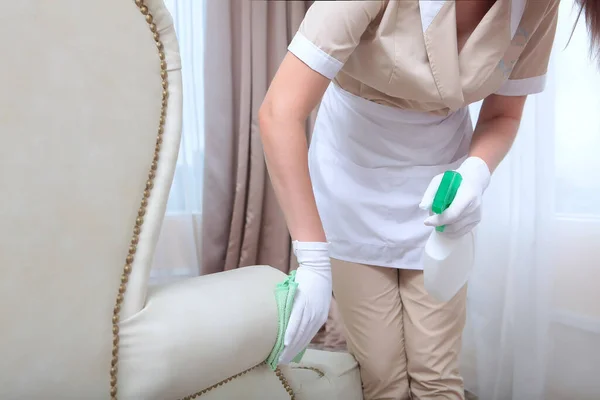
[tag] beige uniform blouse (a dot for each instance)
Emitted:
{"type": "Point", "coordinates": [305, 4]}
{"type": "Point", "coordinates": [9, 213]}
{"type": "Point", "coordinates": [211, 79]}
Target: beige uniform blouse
{"type": "Point", "coordinates": [395, 114]}
{"type": "Point", "coordinates": [404, 53]}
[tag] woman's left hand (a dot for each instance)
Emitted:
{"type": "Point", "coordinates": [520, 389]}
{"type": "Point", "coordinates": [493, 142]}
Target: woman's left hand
{"type": "Point", "coordinates": [465, 211]}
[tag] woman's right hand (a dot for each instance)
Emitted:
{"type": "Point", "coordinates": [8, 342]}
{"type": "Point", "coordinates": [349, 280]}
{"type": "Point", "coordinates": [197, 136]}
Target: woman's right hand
{"type": "Point", "coordinates": [313, 298]}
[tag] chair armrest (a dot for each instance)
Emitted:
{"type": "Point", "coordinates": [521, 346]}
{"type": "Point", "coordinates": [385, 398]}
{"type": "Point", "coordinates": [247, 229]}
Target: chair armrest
{"type": "Point", "coordinates": [198, 332]}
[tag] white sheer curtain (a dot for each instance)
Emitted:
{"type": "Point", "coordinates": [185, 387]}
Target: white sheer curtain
{"type": "Point", "coordinates": [178, 251]}
{"type": "Point", "coordinates": [574, 335]}
{"type": "Point", "coordinates": [533, 330]}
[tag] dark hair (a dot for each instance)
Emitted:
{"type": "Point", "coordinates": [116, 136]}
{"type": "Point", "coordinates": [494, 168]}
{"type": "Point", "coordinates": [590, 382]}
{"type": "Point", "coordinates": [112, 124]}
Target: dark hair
{"type": "Point", "coordinates": [591, 10]}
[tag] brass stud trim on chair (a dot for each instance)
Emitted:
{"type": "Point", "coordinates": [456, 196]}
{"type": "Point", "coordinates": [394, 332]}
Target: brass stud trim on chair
{"type": "Point", "coordinates": [144, 203]}
{"type": "Point", "coordinates": [282, 379]}
{"type": "Point", "coordinates": [285, 384]}
{"type": "Point", "coordinates": [313, 369]}
{"type": "Point", "coordinates": [208, 389]}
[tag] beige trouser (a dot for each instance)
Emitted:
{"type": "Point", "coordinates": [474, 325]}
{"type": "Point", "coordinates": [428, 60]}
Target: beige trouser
{"type": "Point", "coordinates": [406, 343]}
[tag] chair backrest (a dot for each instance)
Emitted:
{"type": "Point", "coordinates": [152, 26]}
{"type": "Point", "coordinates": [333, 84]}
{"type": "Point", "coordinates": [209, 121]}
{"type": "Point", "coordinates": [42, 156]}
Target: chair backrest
{"type": "Point", "coordinates": [90, 118]}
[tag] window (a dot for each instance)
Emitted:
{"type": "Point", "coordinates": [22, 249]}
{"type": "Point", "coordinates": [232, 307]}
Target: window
{"type": "Point", "coordinates": [577, 119]}
{"type": "Point", "coordinates": [178, 251]}
{"type": "Point", "coordinates": [186, 192]}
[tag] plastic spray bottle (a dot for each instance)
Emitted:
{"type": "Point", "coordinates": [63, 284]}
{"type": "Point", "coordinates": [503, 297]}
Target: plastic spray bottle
{"type": "Point", "coordinates": [447, 262]}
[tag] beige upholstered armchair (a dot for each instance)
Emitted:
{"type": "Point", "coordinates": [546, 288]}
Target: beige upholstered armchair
{"type": "Point", "coordinates": [90, 126]}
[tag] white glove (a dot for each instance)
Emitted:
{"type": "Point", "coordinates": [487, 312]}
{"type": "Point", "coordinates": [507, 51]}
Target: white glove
{"type": "Point", "coordinates": [465, 211]}
{"type": "Point", "coordinates": [312, 300]}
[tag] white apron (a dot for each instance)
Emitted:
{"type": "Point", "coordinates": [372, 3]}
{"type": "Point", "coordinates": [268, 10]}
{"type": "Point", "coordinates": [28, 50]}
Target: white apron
{"type": "Point", "coordinates": [370, 165]}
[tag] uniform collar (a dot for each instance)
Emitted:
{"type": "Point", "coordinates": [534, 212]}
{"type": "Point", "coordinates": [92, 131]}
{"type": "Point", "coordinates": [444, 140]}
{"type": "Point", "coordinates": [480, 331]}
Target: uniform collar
{"type": "Point", "coordinates": [481, 53]}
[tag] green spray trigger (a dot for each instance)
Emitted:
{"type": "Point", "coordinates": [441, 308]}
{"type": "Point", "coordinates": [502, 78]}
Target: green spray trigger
{"type": "Point", "coordinates": [445, 194]}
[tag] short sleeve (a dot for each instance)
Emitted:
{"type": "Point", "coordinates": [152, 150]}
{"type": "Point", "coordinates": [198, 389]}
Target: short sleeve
{"type": "Point", "coordinates": [528, 75]}
{"type": "Point", "coordinates": [330, 32]}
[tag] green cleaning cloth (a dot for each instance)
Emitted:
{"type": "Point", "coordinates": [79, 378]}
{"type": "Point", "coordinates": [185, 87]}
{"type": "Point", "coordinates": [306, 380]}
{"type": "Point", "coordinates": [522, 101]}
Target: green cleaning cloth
{"type": "Point", "coordinates": [284, 297]}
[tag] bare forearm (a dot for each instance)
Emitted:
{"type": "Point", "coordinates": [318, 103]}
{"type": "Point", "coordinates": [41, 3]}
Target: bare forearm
{"type": "Point", "coordinates": [286, 153]}
{"type": "Point", "coordinates": [294, 92]}
{"type": "Point", "coordinates": [497, 128]}
{"type": "Point", "coordinates": [493, 139]}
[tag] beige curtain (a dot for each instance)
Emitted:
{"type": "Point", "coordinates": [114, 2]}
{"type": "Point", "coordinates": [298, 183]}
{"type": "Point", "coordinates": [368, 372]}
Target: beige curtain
{"type": "Point", "coordinates": [242, 223]}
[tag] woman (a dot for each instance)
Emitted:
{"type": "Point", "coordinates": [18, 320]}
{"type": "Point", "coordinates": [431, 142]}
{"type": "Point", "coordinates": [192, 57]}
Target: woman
{"type": "Point", "coordinates": [394, 79]}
